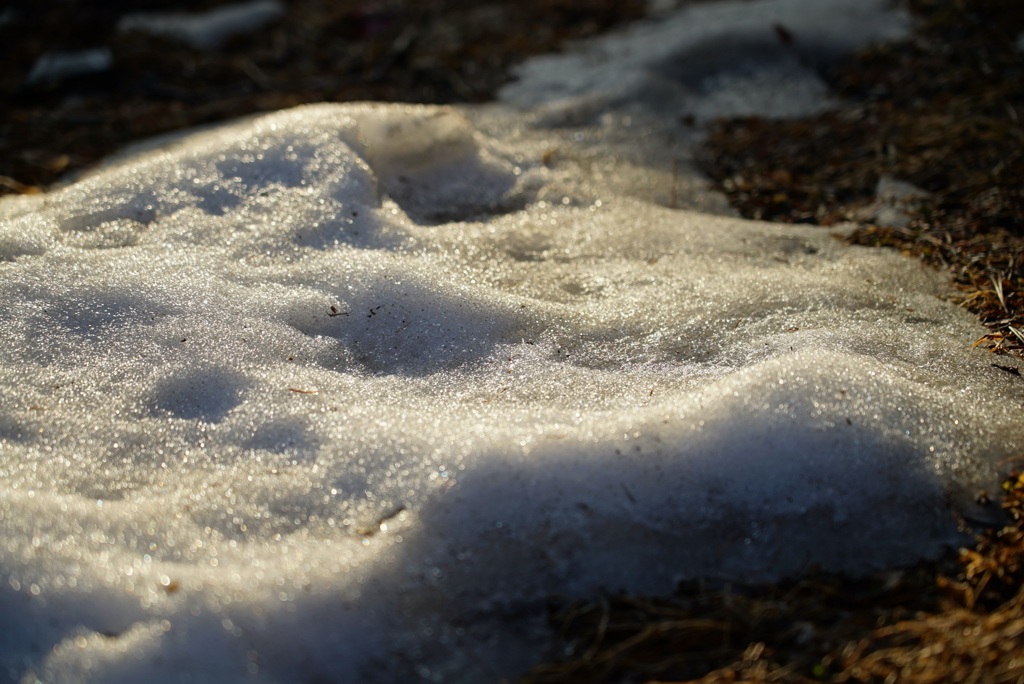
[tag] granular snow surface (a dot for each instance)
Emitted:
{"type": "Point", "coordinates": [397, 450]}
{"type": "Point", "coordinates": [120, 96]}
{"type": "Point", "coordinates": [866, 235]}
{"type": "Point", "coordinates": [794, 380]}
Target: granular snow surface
{"type": "Point", "coordinates": [342, 393]}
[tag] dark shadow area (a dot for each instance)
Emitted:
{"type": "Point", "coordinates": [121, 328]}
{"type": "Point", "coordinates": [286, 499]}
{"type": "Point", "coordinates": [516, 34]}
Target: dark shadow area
{"type": "Point", "coordinates": [206, 394]}
{"type": "Point", "coordinates": [91, 317]}
{"type": "Point", "coordinates": [284, 435]}
{"type": "Point", "coordinates": [699, 66]}
{"type": "Point", "coordinates": [410, 328]}
{"type": "Point", "coordinates": [13, 430]}
{"type": "Point", "coordinates": [139, 207]}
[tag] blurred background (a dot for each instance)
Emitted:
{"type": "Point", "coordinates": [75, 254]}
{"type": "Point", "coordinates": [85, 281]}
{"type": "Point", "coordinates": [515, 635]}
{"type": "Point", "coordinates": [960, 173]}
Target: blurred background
{"type": "Point", "coordinates": [81, 78]}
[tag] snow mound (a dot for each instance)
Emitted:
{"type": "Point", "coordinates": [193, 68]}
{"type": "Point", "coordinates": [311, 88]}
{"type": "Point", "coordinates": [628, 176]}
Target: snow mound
{"type": "Point", "coordinates": [342, 393]}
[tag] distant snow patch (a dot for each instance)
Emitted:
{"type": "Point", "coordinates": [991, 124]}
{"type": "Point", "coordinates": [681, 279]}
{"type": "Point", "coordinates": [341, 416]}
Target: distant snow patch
{"type": "Point", "coordinates": [208, 30]}
{"type": "Point", "coordinates": [732, 58]}
{"type": "Point", "coordinates": [57, 66]}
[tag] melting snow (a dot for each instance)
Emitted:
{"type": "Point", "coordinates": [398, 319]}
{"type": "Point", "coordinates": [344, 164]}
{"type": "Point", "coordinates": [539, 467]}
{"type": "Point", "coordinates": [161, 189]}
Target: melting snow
{"type": "Point", "coordinates": [343, 392]}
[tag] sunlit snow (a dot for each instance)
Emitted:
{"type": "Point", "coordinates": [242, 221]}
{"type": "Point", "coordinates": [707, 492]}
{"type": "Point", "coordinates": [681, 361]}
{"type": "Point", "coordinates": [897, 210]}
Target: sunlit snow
{"type": "Point", "coordinates": [342, 393]}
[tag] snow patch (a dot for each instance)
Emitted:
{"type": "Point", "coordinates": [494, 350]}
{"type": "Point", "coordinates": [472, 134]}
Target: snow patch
{"type": "Point", "coordinates": [344, 392]}
{"type": "Point", "coordinates": [731, 58]}
{"type": "Point", "coordinates": [208, 30]}
{"type": "Point", "coordinates": [57, 66]}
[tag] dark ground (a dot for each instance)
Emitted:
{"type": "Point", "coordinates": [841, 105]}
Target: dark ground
{"type": "Point", "coordinates": [942, 110]}
{"type": "Point", "coordinates": [320, 51]}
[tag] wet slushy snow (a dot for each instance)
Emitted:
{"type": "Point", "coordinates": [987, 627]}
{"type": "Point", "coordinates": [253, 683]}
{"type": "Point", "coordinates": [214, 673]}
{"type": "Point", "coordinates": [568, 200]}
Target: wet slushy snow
{"type": "Point", "coordinates": [342, 393]}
